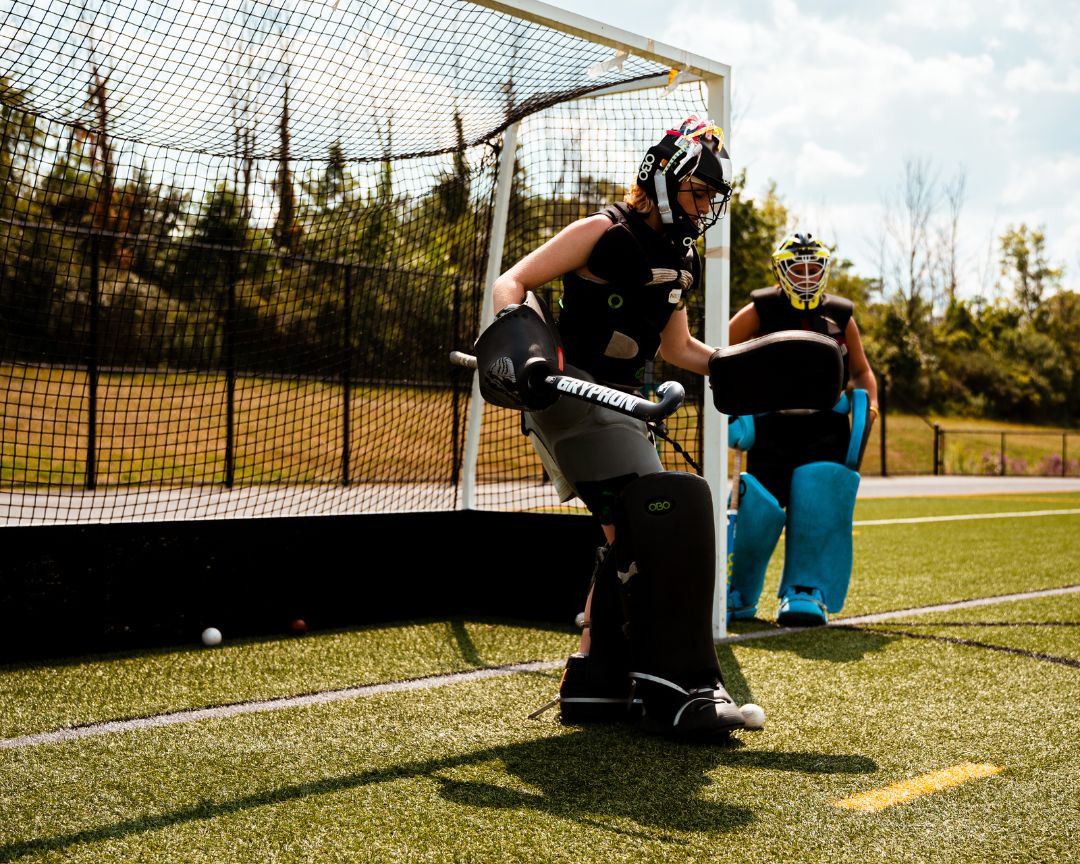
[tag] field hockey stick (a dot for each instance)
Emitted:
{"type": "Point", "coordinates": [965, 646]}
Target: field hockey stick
{"type": "Point", "coordinates": [671, 393]}
{"type": "Point", "coordinates": [733, 512]}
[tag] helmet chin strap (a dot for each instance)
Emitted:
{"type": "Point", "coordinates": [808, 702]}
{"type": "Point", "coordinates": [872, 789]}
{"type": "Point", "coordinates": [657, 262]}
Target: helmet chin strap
{"type": "Point", "coordinates": [662, 203]}
{"type": "Point", "coordinates": [678, 234]}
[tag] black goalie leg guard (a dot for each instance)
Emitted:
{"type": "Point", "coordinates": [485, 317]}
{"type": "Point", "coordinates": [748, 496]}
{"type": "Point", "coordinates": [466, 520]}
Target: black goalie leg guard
{"type": "Point", "coordinates": [596, 686]}
{"type": "Point", "coordinates": [665, 545]}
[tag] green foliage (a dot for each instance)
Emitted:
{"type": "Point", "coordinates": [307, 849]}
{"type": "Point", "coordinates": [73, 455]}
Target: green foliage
{"type": "Point", "coordinates": [20, 139]}
{"type": "Point", "coordinates": [756, 229]}
{"type": "Point", "coordinates": [843, 282]}
{"type": "Point", "coordinates": [452, 189]}
{"type": "Point", "coordinates": [1023, 263]}
{"type": "Point", "coordinates": [1012, 359]}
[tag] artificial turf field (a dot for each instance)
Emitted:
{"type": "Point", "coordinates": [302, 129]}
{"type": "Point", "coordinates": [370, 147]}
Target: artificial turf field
{"type": "Point", "coordinates": [946, 736]}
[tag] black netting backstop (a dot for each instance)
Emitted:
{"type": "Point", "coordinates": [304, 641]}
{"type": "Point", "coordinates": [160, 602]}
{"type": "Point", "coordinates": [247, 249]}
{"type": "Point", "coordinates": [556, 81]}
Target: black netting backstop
{"type": "Point", "coordinates": [238, 241]}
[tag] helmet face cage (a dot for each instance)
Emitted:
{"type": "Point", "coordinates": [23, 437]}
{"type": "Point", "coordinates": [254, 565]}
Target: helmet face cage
{"type": "Point", "coordinates": [718, 204]}
{"type": "Point", "coordinates": [801, 266]}
{"type": "Point", "coordinates": [694, 151]}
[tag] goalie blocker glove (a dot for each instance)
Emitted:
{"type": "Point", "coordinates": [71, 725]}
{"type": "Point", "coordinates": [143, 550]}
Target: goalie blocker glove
{"type": "Point", "coordinates": [516, 353]}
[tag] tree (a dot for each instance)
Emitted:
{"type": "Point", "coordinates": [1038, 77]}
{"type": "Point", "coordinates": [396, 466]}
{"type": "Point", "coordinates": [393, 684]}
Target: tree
{"type": "Point", "coordinates": [1062, 325]}
{"type": "Point", "coordinates": [756, 229]}
{"type": "Point", "coordinates": [147, 215]}
{"type": "Point", "coordinates": [326, 191]}
{"type": "Point", "coordinates": [1024, 264]}
{"type": "Point", "coordinates": [102, 165]}
{"type": "Point", "coordinates": [946, 270]}
{"type": "Point", "coordinates": [844, 282]}
{"type": "Point", "coordinates": [20, 138]}
{"type": "Point", "coordinates": [213, 254]}
{"type": "Point", "coordinates": [452, 187]}
{"type": "Point", "coordinates": [20, 141]}
{"type": "Point", "coordinates": [908, 262]}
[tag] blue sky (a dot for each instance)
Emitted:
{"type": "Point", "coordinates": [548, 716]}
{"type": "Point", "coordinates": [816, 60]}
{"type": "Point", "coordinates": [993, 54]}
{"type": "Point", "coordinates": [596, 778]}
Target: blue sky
{"type": "Point", "coordinates": [832, 99]}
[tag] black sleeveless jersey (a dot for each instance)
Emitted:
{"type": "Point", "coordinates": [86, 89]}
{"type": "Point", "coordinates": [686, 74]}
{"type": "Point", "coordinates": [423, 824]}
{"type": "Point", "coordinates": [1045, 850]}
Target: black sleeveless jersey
{"type": "Point", "coordinates": [611, 328]}
{"type": "Point", "coordinates": [830, 317]}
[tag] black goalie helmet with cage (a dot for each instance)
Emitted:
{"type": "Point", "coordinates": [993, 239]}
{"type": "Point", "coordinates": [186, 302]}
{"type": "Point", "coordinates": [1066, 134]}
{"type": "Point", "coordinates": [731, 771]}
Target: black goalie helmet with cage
{"type": "Point", "coordinates": [801, 266]}
{"type": "Point", "coordinates": [695, 150]}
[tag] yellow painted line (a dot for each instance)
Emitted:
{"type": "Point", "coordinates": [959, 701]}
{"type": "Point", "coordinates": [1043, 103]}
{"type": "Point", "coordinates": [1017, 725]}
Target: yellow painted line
{"type": "Point", "coordinates": [916, 787]}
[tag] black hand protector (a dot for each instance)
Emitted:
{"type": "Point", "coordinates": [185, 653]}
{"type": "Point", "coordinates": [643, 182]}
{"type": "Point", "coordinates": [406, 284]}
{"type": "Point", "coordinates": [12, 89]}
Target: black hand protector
{"type": "Point", "coordinates": [514, 355]}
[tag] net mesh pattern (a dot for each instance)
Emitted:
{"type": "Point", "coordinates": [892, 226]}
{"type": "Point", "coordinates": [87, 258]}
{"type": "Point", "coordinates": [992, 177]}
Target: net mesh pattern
{"type": "Point", "coordinates": [239, 240]}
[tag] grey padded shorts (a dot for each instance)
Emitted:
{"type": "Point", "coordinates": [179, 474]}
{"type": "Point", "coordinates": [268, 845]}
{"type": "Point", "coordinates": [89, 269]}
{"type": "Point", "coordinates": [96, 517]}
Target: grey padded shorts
{"type": "Point", "coordinates": [583, 446]}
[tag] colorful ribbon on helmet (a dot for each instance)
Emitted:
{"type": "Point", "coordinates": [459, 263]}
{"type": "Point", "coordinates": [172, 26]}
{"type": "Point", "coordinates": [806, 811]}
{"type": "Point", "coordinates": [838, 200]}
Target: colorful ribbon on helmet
{"type": "Point", "coordinates": [688, 146]}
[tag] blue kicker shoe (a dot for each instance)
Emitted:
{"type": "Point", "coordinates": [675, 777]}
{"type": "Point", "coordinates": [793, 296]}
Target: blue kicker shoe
{"type": "Point", "coordinates": [802, 607]}
{"type": "Point", "coordinates": [736, 608]}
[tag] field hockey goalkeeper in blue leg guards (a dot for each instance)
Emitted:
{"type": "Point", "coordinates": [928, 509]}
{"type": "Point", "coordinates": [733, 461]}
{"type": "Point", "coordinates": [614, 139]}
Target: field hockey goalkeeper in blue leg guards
{"type": "Point", "coordinates": [802, 465]}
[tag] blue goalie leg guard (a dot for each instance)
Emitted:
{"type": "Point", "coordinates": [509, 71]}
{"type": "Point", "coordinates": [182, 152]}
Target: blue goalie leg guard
{"type": "Point", "coordinates": [818, 552]}
{"type": "Point", "coordinates": [758, 523]}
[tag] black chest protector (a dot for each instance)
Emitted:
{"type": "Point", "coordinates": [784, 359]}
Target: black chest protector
{"type": "Point", "coordinates": [610, 326]}
{"type": "Point", "coordinates": [830, 317]}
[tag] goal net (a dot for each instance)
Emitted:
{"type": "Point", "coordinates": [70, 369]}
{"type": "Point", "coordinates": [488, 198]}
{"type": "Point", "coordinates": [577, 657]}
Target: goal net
{"type": "Point", "coordinates": [239, 240]}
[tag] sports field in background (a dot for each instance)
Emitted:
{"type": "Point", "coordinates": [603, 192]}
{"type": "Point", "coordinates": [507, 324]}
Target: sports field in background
{"type": "Point", "coordinates": [922, 736]}
{"type": "Point", "coordinates": [182, 438]}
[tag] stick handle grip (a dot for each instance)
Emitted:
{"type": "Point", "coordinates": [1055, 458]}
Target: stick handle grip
{"type": "Point", "coordinates": [460, 358]}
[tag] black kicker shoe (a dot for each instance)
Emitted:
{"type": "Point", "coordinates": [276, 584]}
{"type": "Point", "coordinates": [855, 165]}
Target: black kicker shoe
{"type": "Point", "coordinates": [702, 712]}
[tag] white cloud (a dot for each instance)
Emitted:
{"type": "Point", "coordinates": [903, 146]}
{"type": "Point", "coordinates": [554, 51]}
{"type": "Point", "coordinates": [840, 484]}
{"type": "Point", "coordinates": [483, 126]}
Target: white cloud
{"type": "Point", "coordinates": [949, 75]}
{"type": "Point", "coordinates": [1035, 76]}
{"type": "Point", "coordinates": [932, 15]}
{"type": "Point", "coordinates": [1043, 181]}
{"type": "Point", "coordinates": [1008, 114]}
{"type": "Point", "coordinates": [1016, 19]}
{"type": "Point", "coordinates": [817, 164]}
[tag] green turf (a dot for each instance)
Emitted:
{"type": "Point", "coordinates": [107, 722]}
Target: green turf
{"type": "Point", "coordinates": [458, 773]}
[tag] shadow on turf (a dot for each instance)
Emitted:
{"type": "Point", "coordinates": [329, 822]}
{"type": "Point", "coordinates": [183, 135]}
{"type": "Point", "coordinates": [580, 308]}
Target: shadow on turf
{"type": "Point", "coordinates": [832, 644]}
{"type": "Point", "coordinates": [588, 776]}
{"type": "Point", "coordinates": [613, 773]}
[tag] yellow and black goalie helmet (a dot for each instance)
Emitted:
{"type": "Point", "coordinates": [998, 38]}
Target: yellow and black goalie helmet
{"type": "Point", "coordinates": [801, 265]}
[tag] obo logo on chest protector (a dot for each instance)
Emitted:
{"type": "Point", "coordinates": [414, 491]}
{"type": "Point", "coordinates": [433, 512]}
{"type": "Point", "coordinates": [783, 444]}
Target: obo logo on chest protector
{"type": "Point", "coordinates": [659, 506]}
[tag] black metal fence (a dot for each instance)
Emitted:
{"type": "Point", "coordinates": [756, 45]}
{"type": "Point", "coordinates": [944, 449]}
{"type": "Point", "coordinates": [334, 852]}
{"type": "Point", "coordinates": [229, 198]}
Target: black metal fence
{"type": "Point", "coordinates": [1002, 452]}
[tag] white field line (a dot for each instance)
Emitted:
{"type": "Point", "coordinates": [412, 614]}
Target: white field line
{"type": "Point", "coordinates": [94, 729]}
{"type": "Point", "coordinates": [91, 730]}
{"type": "Point", "coordinates": [877, 617]}
{"type": "Point", "coordinates": [963, 516]}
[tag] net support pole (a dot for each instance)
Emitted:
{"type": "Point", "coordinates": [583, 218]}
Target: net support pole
{"type": "Point", "coordinates": [496, 241]}
{"type": "Point", "coordinates": [717, 313]}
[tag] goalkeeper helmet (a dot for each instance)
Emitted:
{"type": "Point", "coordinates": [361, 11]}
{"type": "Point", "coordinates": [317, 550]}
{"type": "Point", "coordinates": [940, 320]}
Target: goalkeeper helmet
{"type": "Point", "coordinates": [801, 266]}
{"type": "Point", "coordinates": [694, 150]}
